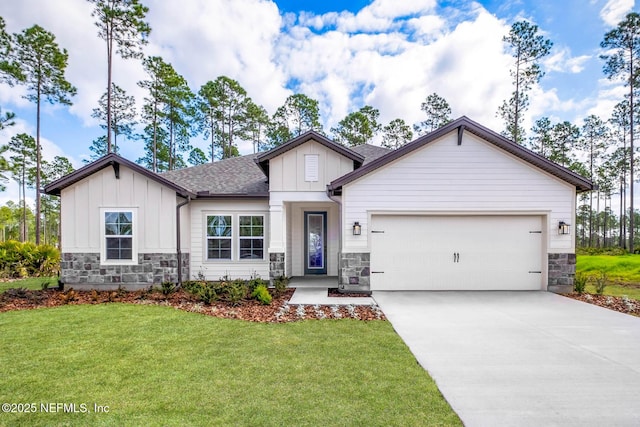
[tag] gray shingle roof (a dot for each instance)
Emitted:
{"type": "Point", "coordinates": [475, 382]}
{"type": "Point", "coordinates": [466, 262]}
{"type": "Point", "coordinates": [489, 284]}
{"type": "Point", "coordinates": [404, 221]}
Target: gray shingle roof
{"type": "Point", "coordinates": [370, 152]}
{"type": "Point", "coordinates": [237, 176]}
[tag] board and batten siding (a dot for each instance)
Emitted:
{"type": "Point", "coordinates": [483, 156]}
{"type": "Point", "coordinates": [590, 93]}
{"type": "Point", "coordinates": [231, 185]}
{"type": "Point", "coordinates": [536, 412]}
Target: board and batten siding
{"type": "Point", "coordinates": [235, 268]}
{"type": "Point", "coordinates": [155, 228]}
{"type": "Point", "coordinates": [287, 171]}
{"type": "Point", "coordinates": [472, 178]}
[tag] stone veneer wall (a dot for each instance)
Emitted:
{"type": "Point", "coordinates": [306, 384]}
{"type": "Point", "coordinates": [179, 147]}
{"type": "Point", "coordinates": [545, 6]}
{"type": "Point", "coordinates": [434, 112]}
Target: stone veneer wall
{"type": "Point", "coordinates": [562, 270]}
{"type": "Point", "coordinates": [276, 265]}
{"type": "Point", "coordinates": [83, 270]}
{"type": "Point", "coordinates": [355, 271]}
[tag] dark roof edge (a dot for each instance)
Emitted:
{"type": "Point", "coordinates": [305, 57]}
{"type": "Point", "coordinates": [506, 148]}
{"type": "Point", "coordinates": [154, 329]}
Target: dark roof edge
{"type": "Point", "coordinates": [581, 183]}
{"type": "Point", "coordinates": [262, 159]}
{"type": "Point", "coordinates": [54, 188]}
{"type": "Point", "coordinates": [201, 196]}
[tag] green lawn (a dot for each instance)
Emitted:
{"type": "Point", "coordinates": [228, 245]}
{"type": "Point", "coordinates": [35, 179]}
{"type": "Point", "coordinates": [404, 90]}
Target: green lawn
{"type": "Point", "coordinates": [155, 365]}
{"type": "Point", "coordinates": [30, 283]}
{"type": "Point", "coordinates": [623, 272]}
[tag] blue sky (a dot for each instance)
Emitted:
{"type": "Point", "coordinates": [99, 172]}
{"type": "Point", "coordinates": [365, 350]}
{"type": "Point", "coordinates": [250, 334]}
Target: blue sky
{"type": "Point", "coordinates": [386, 53]}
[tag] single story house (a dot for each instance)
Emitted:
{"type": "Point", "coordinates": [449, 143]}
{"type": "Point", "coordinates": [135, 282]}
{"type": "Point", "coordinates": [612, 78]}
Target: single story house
{"type": "Point", "coordinates": [461, 208]}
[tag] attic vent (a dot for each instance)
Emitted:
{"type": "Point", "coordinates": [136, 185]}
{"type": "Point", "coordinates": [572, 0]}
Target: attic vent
{"type": "Point", "coordinates": [311, 167]}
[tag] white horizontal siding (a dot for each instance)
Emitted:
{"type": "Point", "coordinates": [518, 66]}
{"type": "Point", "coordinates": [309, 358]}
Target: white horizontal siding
{"type": "Point", "coordinates": [446, 177]}
{"type": "Point", "coordinates": [155, 229]}
{"type": "Point", "coordinates": [213, 270]}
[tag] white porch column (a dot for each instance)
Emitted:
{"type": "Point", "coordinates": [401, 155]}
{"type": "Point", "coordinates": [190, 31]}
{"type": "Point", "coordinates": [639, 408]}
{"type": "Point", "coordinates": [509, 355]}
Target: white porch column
{"type": "Point", "coordinates": [277, 226]}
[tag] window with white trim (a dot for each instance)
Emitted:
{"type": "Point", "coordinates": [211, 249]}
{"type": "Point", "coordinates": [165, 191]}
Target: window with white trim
{"type": "Point", "coordinates": [251, 236]}
{"type": "Point", "coordinates": [118, 230]}
{"type": "Point", "coordinates": [118, 236]}
{"type": "Point", "coordinates": [219, 235]}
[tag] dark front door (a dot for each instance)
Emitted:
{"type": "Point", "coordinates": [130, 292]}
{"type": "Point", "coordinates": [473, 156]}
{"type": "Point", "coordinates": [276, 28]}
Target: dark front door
{"type": "Point", "coordinates": [315, 243]}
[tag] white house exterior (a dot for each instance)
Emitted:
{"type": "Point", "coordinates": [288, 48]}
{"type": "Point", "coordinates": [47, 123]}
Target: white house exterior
{"type": "Point", "coordinates": [460, 208]}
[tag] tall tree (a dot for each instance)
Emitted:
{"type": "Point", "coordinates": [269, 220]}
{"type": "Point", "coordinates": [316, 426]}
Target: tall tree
{"type": "Point", "coordinates": [620, 130]}
{"type": "Point", "coordinates": [197, 157]}
{"type": "Point", "coordinates": [59, 167]}
{"type": "Point", "coordinates": [622, 61]}
{"type": "Point", "coordinates": [438, 114]}
{"type": "Point", "coordinates": [178, 116]}
{"type": "Point", "coordinates": [527, 47]}
{"type": "Point", "coordinates": [541, 142]}
{"type": "Point", "coordinates": [22, 162]}
{"type": "Point", "coordinates": [357, 128]}
{"type": "Point", "coordinates": [593, 141]}
{"type": "Point", "coordinates": [122, 114]}
{"type": "Point", "coordinates": [297, 115]}
{"type": "Point", "coordinates": [99, 148]}
{"type": "Point", "coordinates": [224, 104]}
{"type": "Point", "coordinates": [396, 134]}
{"type": "Point", "coordinates": [6, 119]}
{"type": "Point", "coordinates": [563, 138]}
{"type": "Point", "coordinates": [121, 25]}
{"type": "Point", "coordinates": [257, 123]}
{"type": "Point", "coordinates": [39, 64]}
{"type": "Point", "coordinates": [157, 70]}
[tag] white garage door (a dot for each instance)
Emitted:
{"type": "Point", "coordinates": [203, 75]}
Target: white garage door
{"type": "Point", "coordinates": [456, 252]}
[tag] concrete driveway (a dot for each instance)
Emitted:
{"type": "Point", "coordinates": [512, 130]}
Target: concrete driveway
{"type": "Point", "coordinates": [523, 358]}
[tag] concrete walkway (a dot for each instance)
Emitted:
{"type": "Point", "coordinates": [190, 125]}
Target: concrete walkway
{"type": "Point", "coordinates": [320, 296]}
{"type": "Point", "coordinates": [523, 358]}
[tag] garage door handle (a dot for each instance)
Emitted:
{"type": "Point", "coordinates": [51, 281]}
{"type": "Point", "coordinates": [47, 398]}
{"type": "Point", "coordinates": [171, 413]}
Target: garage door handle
{"type": "Point", "coordinates": [377, 272]}
{"type": "Point", "coordinates": [540, 272]}
{"type": "Point", "coordinates": [456, 257]}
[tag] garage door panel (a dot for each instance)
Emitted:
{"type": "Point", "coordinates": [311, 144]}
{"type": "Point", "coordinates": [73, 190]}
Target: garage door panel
{"type": "Point", "coordinates": [456, 252]}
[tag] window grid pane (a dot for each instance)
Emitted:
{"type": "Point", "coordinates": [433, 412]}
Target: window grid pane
{"type": "Point", "coordinates": [252, 237]}
{"type": "Point", "coordinates": [118, 230]}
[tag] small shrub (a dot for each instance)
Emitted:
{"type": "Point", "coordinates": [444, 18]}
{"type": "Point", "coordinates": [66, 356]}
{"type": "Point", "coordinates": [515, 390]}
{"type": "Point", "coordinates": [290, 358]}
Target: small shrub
{"type": "Point", "coordinates": [95, 296]}
{"type": "Point", "coordinates": [121, 292]}
{"type": "Point", "coordinates": [580, 283]}
{"type": "Point", "coordinates": [236, 291]}
{"type": "Point", "coordinates": [261, 294]}
{"type": "Point", "coordinates": [207, 293]}
{"type": "Point", "coordinates": [254, 282]}
{"type": "Point", "coordinates": [168, 288]}
{"type": "Point", "coordinates": [280, 284]}
{"type": "Point", "coordinates": [17, 293]}
{"type": "Point", "coordinates": [600, 283]}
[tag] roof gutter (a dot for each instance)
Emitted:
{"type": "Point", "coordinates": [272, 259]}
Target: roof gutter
{"type": "Point", "coordinates": [178, 246]}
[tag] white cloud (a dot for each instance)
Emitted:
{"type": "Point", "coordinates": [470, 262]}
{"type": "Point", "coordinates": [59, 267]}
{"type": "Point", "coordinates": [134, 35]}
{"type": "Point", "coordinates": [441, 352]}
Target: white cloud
{"type": "Point", "coordinates": [562, 61]}
{"type": "Point", "coordinates": [614, 11]}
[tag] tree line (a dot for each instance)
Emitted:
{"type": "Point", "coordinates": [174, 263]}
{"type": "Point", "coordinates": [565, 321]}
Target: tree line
{"type": "Point", "coordinates": [223, 113]}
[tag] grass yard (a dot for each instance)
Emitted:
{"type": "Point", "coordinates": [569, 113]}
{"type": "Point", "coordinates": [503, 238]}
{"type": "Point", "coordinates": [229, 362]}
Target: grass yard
{"type": "Point", "coordinates": [623, 272]}
{"type": "Point", "coordinates": [30, 283]}
{"type": "Point", "coordinates": [154, 365]}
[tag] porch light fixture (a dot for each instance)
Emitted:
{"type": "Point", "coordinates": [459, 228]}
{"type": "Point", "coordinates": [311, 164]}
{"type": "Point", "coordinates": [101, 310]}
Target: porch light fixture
{"type": "Point", "coordinates": [564, 228]}
{"type": "Point", "coordinates": [356, 228]}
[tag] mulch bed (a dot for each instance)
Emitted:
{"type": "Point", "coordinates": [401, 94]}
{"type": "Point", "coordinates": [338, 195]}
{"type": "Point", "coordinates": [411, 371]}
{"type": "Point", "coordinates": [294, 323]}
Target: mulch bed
{"type": "Point", "coordinates": [278, 311]}
{"type": "Point", "coordinates": [621, 304]}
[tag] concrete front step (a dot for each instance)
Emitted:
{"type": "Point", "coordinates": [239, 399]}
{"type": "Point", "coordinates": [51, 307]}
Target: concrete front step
{"type": "Point", "coordinates": [320, 296]}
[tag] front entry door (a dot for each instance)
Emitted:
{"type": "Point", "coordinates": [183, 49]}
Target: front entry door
{"type": "Point", "coordinates": [315, 243]}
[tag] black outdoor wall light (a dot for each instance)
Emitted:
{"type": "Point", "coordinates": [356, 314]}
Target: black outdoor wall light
{"type": "Point", "coordinates": [356, 228]}
{"type": "Point", "coordinates": [564, 228]}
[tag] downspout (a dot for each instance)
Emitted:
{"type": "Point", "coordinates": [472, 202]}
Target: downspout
{"type": "Point", "coordinates": [178, 248]}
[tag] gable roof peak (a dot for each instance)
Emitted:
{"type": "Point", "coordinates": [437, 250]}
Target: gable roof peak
{"type": "Point", "coordinates": [465, 124]}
